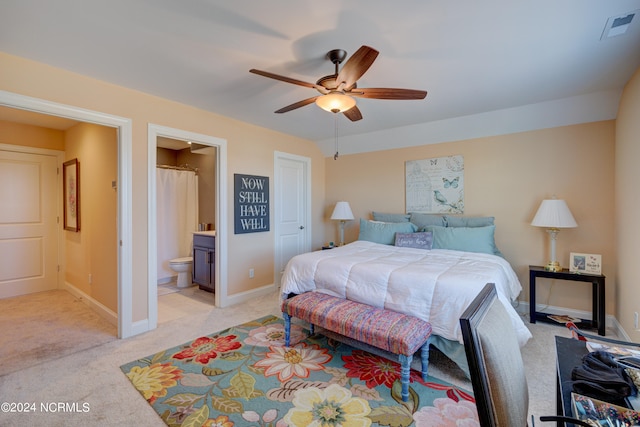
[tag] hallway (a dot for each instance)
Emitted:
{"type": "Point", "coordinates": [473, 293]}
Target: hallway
{"type": "Point", "coordinates": [44, 326]}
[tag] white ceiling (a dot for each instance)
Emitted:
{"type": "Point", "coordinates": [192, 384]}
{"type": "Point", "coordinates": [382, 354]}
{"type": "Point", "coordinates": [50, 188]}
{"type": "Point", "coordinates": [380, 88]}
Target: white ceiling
{"type": "Point", "coordinates": [471, 56]}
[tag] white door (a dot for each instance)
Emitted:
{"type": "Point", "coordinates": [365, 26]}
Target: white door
{"type": "Point", "coordinates": [292, 210]}
{"type": "Point", "coordinates": [28, 243]}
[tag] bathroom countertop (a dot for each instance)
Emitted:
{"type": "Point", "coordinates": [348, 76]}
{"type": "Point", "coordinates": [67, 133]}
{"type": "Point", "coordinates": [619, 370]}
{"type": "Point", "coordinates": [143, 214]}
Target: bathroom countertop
{"type": "Point", "coordinates": [206, 233]}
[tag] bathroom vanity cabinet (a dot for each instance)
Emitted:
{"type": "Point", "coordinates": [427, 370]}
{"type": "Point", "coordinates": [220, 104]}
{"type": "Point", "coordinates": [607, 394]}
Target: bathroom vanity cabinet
{"type": "Point", "coordinates": [204, 261]}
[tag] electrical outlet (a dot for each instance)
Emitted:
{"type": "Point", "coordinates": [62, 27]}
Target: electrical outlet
{"type": "Point", "coordinates": [90, 278]}
{"type": "Point", "coordinates": [635, 320]}
{"type": "Point", "coordinates": [251, 273]}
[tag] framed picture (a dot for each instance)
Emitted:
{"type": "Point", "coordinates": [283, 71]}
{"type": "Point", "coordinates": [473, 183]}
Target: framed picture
{"type": "Point", "coordinates": [71, 194]}
{"type": "Point", "coordinates": [585, 263]}
{"type": "Point", "coordinates": [435, 185]}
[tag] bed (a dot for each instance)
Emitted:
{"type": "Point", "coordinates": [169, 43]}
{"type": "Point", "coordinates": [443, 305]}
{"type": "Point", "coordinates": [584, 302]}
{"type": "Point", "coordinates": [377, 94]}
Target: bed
{"type": "Point", "coordinates": [434, 284]}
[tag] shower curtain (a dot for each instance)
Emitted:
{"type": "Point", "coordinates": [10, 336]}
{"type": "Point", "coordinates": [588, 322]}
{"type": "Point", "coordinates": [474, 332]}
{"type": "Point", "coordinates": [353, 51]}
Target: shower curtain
{"type": "Point", "coordinates": [177, 217]}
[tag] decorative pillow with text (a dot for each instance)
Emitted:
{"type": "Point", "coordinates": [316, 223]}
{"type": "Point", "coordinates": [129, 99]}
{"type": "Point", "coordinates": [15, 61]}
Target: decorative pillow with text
{"type": "Point", "coordinates": [422, 240]}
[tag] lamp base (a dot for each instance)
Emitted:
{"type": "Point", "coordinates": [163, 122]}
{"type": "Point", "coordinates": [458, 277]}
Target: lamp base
{"type": "Point", "coordinates": [553, 266]}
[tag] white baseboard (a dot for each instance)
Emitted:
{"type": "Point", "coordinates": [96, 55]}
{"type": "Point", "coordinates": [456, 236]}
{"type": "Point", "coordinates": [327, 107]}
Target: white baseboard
{"type": "Point", "coordinates": [140, 327]}
{"type": "Point", "coordinates": [610, 321]}
{"type": "Point", "coordinates": [96, 306]}
{"type": "Point", "coordinates": [165, 280]}
{"type": "Point", "coordinates": [248, 295]}
{"type": "Point", "coordinates": [617, 327]}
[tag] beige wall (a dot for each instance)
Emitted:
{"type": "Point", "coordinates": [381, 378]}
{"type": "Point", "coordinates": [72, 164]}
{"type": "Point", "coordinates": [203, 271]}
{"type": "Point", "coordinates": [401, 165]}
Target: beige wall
{"type": "Point", "coordinates": [91, 253]}
{"type": "Point", "coordinates": [164, 156]}
{"type": "Point", "coordinates": [627, 176]}
{"type": "Point", "coordinates": [250, 150]}
{"type": "Point", "coordinates": [31, 136]}
{"type": "Point", "coordinates": [506, 177]}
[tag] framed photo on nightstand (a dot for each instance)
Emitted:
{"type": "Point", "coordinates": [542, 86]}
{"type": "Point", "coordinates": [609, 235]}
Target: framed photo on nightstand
{"type": "Point", "coordinates": [585, 263]}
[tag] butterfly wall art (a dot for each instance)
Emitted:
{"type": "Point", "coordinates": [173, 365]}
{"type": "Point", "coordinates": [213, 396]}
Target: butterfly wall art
{"type": "Point", "coordinates": [451, 183]}
{"type": "Point", "coordinates": [435, 185]}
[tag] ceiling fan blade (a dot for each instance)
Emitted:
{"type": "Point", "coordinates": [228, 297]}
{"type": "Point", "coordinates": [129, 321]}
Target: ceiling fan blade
{"type": "Point", "coordinates": [297, 105]}
{"type": "Point", "coordinates": [356, 66]}
{"type": "Point", "coordinates": [285, 79]}
{"type": "Point", "coordinates": [353, 114]}
{"type": "Point", "coordinates": [388, 93]}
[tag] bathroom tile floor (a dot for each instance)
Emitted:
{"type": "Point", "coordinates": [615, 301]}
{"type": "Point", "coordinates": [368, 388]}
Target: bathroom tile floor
{"type": "Point", "coordinates": [182, 302]}
{"type": "Point", "coordinates": [167, 288]}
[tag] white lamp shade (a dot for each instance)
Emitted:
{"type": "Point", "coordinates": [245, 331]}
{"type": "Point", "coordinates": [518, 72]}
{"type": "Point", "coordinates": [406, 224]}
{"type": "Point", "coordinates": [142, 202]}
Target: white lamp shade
{"type": "Point", "coordinates": [342, 212]}
{"type": "Point", "coordinates": [335, 102]}
{"type": "Point", "coordinates": [554, 213]}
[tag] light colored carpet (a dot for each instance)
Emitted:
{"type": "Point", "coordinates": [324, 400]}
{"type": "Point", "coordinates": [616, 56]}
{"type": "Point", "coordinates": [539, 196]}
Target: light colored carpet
{"type": "Point", "coordinates": [44, 326]}
{"type": "Point", "coordinates": [85, 386]}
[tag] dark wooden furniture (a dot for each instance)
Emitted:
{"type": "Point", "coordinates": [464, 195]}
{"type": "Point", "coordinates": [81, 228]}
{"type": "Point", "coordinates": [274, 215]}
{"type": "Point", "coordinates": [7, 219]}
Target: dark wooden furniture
{"type": "Point", "coordinates": [495, 364]}
{"type": "Point", "coordinates": [569, 354]}
{"type": "Point", "coordinates": [598, 296]}
{"type": "Point", "coordinates": [204, 266]}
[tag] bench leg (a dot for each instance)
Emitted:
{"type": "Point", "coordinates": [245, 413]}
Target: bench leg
{"type": "Point", "coordinates": [424, 355]}
{"type": "Point", "coordinates": [405, 369]}
{"type": "Point", "coordinates": [287, 329]}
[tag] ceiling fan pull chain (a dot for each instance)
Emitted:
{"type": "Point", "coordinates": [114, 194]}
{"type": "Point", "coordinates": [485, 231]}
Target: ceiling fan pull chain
{"type": "Point", "coordinates": [335, 121]}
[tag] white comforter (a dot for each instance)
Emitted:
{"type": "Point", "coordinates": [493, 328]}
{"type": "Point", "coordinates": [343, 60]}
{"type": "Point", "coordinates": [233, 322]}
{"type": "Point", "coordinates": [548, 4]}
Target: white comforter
{"type": "Point", "coordinates": [436, 285]}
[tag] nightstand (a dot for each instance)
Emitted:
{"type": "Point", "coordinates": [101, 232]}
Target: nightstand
{"type": "Point", "coordinates": [597, 296]}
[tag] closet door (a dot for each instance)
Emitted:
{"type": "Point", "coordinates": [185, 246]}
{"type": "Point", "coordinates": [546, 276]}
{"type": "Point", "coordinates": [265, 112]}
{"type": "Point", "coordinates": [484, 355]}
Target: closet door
{"type": "Point", "coordinates": [292, 209]}
{"type": "Point", "coordinates": [28, 221]}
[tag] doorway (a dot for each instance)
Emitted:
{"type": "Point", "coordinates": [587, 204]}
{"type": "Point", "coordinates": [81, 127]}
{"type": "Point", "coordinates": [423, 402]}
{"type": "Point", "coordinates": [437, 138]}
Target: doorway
{"type": "Point", "coordinates": [124, 212]}
{"type": "Point", "coordinates": [155, 133]}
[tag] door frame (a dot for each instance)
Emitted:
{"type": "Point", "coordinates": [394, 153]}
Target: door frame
{"type": "Point", "coordinates": [278, 156]}
{"type": "Point", "coordinates": [220, 293]}
{"type": "Point", "coordinates": [125, 240]}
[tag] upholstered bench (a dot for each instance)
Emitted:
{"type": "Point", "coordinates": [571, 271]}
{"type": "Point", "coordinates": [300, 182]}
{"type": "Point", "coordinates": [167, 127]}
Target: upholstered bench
{"type": "Point", "coordinates": [388, 330]}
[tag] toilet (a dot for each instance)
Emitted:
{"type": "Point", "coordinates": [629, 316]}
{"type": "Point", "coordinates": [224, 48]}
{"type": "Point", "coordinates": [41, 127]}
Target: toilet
{"type": "Point", "coordinates": [182, 266]}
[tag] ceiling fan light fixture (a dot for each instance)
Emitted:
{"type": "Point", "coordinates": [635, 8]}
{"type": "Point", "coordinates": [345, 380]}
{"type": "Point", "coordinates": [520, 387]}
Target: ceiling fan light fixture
{"type": "Point", "coordinates": [335, 100]}
{"type": "Point", "coordinates": [338, 90]}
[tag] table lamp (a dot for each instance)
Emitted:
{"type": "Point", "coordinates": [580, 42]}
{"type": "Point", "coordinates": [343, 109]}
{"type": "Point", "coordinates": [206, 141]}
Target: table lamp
{"type": "Point", "coordinates": [553, 214]}
{"type": "Point", "coordinates": [342, 212]}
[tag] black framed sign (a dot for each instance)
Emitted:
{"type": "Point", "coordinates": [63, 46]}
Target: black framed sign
{"type": "Point", "coordinates": [251, 203]}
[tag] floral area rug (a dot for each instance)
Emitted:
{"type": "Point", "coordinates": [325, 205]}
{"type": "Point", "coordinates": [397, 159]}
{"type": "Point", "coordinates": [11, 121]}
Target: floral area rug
{"type": "Point", "coordinates": [244, 376]}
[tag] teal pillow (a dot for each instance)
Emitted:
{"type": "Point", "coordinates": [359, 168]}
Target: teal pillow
{"type": "Point", "coordinates": [468, 221]}
{"type": "Point", "coordinates": [422, 220]}
{"type": "Point", "coordinates": [383, 232]}
{"type": "Point", "coordinates": [389, 217]}
{"type": "Point", "coordinates": [468, 239]}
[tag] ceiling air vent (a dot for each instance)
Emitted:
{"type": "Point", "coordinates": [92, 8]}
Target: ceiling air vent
{"type": "Point", "coordinates": [618, 25]}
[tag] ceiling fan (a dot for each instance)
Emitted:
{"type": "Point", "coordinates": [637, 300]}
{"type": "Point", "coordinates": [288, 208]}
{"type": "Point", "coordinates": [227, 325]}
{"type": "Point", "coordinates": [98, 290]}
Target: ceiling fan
{"type": "Point", "coordinates": [339, 90]}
